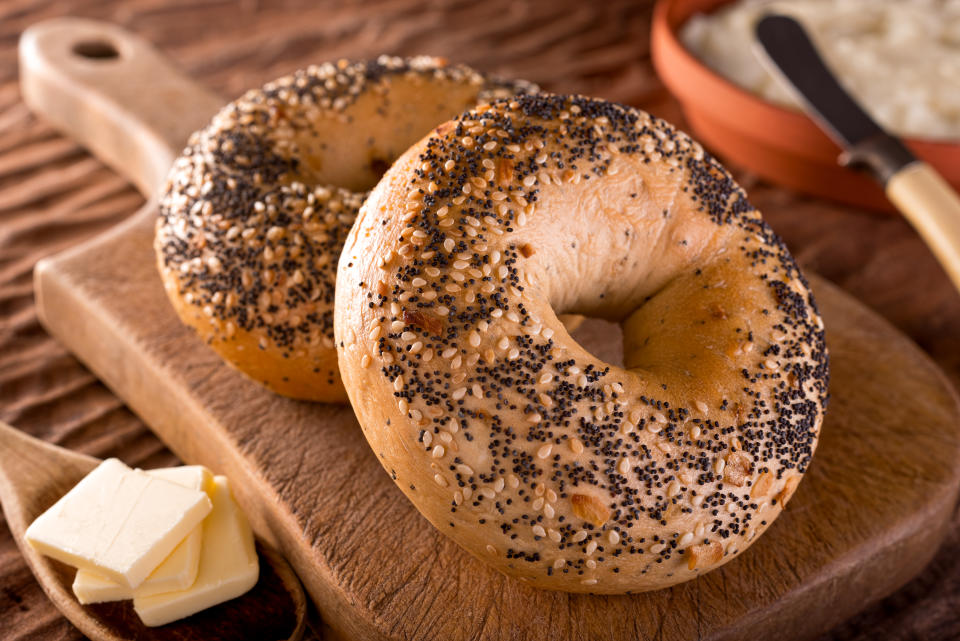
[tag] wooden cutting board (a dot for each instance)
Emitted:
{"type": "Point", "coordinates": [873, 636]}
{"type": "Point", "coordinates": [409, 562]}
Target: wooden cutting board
{"type": "Point", "coordinates": [868, 516]}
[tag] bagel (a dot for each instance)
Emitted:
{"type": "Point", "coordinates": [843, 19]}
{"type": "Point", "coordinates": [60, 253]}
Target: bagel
{"type": "Point", "coordinates": [535, 456]}
{"type": "Point", "coordinates": [256, 209]}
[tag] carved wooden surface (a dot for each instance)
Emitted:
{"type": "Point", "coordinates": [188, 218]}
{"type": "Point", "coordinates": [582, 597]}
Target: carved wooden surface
{"type": "Point", "coordinates": [53, 195]}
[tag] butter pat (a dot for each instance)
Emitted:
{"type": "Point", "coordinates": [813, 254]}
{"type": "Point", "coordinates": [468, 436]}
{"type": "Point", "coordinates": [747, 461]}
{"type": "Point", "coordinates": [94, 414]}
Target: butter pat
{"type": "Point", "coordinates": [177, 572]}
{"type": "Point", "coordinates": [118, 522]}
{"type": "Point", "coordinates": [228, 565]}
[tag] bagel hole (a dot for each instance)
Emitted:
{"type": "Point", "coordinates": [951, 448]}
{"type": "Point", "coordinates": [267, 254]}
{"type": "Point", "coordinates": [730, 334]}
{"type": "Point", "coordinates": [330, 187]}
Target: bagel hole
{"type": "Point", "coordinates": [96, 50]}
{"type": "Point", "coordinates": [379, 166]}
{"type": "Point", "coordinates": [601, 338]}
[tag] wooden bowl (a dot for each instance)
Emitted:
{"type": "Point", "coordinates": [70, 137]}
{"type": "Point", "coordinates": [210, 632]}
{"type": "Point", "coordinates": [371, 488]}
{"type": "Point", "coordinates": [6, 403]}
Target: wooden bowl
{"type": "Point", "coordinates": [777, 143]}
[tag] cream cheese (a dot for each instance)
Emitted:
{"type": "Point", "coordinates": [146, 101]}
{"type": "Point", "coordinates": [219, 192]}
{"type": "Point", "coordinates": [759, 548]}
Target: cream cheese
{"type": "Point", "coordinates": [900, 58]}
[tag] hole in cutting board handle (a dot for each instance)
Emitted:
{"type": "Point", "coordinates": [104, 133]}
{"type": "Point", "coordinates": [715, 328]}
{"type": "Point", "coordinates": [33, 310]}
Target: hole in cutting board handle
{"type": "Point", "coordinates": [96, 50]}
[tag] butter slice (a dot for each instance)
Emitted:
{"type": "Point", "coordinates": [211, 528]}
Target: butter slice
{"type": "Point", "coordinates": [177, 572]}
{"type": "Point", "coordinates": [118, 522]}
{"type": "Point", "coordinates": [228, 565]}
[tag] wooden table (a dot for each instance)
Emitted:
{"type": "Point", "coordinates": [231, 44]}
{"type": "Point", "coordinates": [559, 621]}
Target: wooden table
{"type": "Point", "coordinates": [53, 195]}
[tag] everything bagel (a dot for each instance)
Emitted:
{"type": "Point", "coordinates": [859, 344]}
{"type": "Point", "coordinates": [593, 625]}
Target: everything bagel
{"type": "Point", "coordinates": [257, 207]}
{"type": "Point", "coordinates": [532, 454]}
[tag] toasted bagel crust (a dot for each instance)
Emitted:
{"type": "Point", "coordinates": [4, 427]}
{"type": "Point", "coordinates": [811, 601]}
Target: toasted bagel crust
{"type": "Point", "coordinates": [535, 456]}
{"type": "Point", "coordinates": [256, 209]}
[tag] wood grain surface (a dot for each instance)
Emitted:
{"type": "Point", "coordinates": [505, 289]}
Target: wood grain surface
{"type": "Point", "coordinates": [52, 195]}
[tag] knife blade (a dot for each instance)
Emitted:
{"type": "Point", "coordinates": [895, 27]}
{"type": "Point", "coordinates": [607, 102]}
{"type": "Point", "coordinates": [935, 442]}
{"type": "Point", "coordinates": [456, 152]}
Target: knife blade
{"type": "Point", "coordinates": [790, 55]}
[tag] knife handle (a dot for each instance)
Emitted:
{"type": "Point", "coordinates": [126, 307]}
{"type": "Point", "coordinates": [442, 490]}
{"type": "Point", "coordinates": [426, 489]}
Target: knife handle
{"type": "Point", "coordinates": [933, 208]}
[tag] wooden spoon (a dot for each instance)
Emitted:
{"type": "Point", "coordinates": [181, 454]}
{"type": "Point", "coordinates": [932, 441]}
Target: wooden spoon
{"type": "Point", "coordinates": [34, 474]}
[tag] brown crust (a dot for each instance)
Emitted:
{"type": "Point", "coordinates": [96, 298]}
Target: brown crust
{"type": "Point", "coordinates": [251, 228]}
{"type": "Point", "coordinates": [704, 555]}
{"type": "Point", "coordinates": [738, 469]}
{"type": "Point", "coordinates": [590, 509]}
{"type": "Point", "coordinates": [535, 456]}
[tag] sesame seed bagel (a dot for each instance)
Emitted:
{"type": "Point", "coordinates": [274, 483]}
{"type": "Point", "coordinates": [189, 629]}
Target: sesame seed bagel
{"type": "Point", "coordinates": [256, 209]}
{"type": "Point", "coordinates": [537, 457]}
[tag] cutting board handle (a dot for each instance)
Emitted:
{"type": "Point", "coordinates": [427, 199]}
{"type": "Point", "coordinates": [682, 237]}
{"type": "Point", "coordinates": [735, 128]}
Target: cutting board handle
{"type": "Point", "coordinates": [114, 93]}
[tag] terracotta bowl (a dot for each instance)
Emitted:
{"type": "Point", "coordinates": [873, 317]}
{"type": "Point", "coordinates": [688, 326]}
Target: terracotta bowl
{"type": "Point", "coordinates": [777, 143]}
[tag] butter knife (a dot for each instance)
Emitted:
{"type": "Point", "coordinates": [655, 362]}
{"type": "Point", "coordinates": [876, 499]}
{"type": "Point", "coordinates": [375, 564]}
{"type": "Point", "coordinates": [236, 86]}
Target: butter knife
{"type": "Point", "coordinates": [921, 194]}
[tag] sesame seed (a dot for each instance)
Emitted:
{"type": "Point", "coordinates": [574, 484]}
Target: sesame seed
{"type": "Point", "coordinates": [576, 445]}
